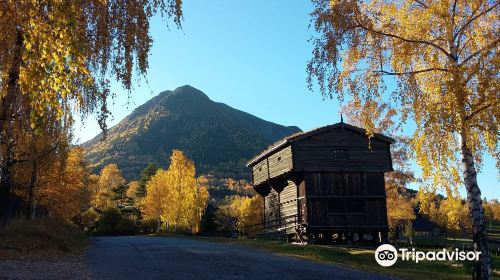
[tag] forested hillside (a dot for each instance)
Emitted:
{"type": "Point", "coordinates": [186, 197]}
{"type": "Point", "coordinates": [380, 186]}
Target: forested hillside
{"type": "Point", "coordinates": [216, 136]}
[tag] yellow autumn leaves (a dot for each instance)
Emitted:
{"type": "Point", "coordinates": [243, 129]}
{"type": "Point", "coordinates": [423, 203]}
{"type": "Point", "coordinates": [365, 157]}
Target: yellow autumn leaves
{"type": "Point", "coordinates": [60, 188]}
{"type": "Point", "coordinates": [61, 55]}
{"type": "Point", "coordinates": [175, 197]}
{"type": "Point", "coordinates": [54, 60]}
{"type": "Point", "coordinates": [436, 61]}
{"type": "Point", "coordinates": [247, 211]}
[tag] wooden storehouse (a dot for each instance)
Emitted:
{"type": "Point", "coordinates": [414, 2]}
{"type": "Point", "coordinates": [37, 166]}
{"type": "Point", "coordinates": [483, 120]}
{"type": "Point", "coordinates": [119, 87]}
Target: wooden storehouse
{"type": "Point", "coordinates": [327, 183]}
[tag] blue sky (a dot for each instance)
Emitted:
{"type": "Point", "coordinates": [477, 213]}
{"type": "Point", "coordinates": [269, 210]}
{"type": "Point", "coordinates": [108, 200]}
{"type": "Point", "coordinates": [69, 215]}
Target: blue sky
{"type": "Point", "coordinates": [250, 55]}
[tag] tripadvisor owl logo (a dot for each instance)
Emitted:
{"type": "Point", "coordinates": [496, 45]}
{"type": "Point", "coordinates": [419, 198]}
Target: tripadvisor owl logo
{"type": "Point", "coordinates": [386, 255]}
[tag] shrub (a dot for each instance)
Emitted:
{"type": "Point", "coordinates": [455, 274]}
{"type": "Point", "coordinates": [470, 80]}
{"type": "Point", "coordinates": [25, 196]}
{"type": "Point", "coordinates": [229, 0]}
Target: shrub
{"type": "Point", "coordinates": [149, 226]}
{"type": "Point", "coordinates": [111, 222]}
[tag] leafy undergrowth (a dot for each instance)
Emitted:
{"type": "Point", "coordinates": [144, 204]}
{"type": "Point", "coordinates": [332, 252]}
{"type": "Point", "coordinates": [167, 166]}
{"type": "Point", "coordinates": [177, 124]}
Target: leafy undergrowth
{"type": "Point", "coordinates": [40, 239]}
{"type": "Point", "coordinates": [363, 259]}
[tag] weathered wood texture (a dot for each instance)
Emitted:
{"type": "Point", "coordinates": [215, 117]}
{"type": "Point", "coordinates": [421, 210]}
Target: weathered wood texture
{"type": "Point", "coordinates": [273, 166]}
{"type": "Point", "coordinates": [329, 180]}
{"type": "Point", "coordinates": [272, 208]}
{"type": "Point", "coordinates": [341, 150]}
{"type": "Point", "coordinates": [260, 172]}
{"type": "Point", "coordinates": [344, 184]}
{"type": "Point", "coordinates": [288, 206]}
{"type": "Point", "coordinates": [346, 200]}
{"type": "Point", "coordinates": [301, 202]}
{"type": "Point", "coordinates": [279, 207]}
{"type": "Point", "coordinates": [280, 162]}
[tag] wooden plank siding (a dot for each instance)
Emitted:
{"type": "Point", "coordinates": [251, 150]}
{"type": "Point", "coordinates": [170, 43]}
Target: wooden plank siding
{"type": "Point", "coordinates": [341, 150]}
{"type": "Point", "coordinates": [272, 208]}
{"type": "Point", "coordinates": [344, 184]}
{"type": "Point", "coordinates": [345, 199]}
{"type": "Point", "coordinates": [273, 166]}
{"type": "Point", "coordinates": [260, 172]}
{"type": "Point", "coordinates": [280, 162]}
{"type": "Point", "coordinates": [330, 180]}
{"type": "Point", "coordinates": [288, 206]}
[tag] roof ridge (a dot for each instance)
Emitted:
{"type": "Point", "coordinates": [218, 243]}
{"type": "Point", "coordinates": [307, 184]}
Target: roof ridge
{"type": "Point", "coordinates": [301, 135]}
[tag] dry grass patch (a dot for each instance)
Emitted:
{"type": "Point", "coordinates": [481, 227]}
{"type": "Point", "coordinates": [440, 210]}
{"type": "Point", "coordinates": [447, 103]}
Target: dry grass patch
{"type": "Point", "coordinates": [40, 239]}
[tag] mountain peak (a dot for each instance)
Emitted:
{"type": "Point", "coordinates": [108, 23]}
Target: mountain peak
{"type": "Point", "coordinates": [187, 90]}
{"type": "Point", "coordinates": [217, 137]}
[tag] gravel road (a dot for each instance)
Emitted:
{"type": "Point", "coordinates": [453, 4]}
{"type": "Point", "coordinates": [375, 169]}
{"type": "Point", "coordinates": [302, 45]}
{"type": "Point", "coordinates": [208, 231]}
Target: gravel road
{"type": "Point", "coordinates": [143, 257]}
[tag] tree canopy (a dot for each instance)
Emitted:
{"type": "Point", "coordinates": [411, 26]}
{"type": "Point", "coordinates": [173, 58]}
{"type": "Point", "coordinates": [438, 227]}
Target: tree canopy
{"type": "Point", "coordinates": [60, 54]}
{"type": "Point", "coordinates": [57, 58]}
{"type": "Point", "coordinates": [380, 118]}
{"type": "Point", "coordinates": [174, 196]}
{"type": "Point", "coordinates": [444, 58]}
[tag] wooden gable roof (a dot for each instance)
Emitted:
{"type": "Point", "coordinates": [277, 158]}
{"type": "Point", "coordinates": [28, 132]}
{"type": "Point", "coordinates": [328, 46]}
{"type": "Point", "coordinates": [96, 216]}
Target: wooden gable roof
{"type": "Point", "coordinates": [302, 135]}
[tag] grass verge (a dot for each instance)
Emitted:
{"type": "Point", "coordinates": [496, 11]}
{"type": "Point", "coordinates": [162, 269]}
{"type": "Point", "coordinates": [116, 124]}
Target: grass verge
{"type": "Point", "coordinates": [40, 239]}
{"type": "Point", "coordinates": [363, 259]}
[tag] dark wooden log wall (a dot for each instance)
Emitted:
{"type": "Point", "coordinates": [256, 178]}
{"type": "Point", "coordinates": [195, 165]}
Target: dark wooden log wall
{"type": "Point", "coordinates": [341, 150]}
{"type": "Point", "coordinates": [331, 180]}
{"type": "Point", "coordinates": [272, 208]}
{"type": "Point", "coordinates": [344, 184]}
{"type": "Point", "coordinates": [345, 200]}
{"type": "Point", "coordinates": [301, 201]}
{"type": "Point", "coordinates": [280, 162]}
{"type": "Point", "coordinates": [273, 166]}
{"type": "Point", "coordinates": [260, 172]}
{"type": "Point", "coordinates": [288, 206]}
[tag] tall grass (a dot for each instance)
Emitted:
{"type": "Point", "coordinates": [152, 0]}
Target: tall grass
{"type": "Point", "coordinates": [47, 235]}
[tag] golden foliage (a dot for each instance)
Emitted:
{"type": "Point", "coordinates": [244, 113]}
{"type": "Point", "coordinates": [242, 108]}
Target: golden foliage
{"type": "Point", "coordinates": [246, 210]}
{"type": "Point", "coordinates": [58, 53]}
{"type": "Point", "coordinates": [62, 186]}
{"type": "Point", "coordinates": [110, 179]}
{"type": "Point", "coordinates": [379, 119]}
{"type": "Point", "coordinates": [492, 210]}
{"type": "Point", "coordinates": [241, 187]}
{"type": "Point", "coordinates": [450, 213]}
{"type": "Point", "coordinates": [132, 189]}
{"type": "Point", "coordinates": [175, 196]}
{"type": "Point", "coordinates": [444, 58]}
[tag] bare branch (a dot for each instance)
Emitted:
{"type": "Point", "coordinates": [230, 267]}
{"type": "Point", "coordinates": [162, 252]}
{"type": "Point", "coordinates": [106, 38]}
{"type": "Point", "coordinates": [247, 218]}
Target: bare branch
{"type": "Point", "coordinates": [481, 109]}
{"type": "Point", "coordinates": [482, 128]}
{"type": "Point", "coordinates": [454, 11]}
{"type": "Point", "coordinates": [383, 72]}
{"type": "Point", "coordinates": [418, 41]}
{"type": "Point", "coordinates": [462, 29]}
{"type": "Point", "coordinates": [422, 3]}
{"type": "Point", "coordinates": [492, 45]}
{"type": "Point", "coordinates": [463, 47]}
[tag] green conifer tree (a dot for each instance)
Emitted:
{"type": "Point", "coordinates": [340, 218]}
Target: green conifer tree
{"type": "Point", "coordinates": [146, 175]}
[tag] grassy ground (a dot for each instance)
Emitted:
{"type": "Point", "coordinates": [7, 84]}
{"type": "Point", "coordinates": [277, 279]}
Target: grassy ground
{"type": "Point", "coordinates": [363, 259]}
{"type": "Point", "coordinates": [447, 242]}
{"type": "Point", "coordinates": [493, 231]}
{"type": "Point", "coordinates": [40, 239]}
{"type": "Point", "coordinates": [459, 242]}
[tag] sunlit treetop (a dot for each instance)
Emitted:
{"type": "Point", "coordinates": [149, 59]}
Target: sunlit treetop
{"type": "Point", "coordinates": [443, 56]}
{"type": "Point", "coordinates": [61, 53]}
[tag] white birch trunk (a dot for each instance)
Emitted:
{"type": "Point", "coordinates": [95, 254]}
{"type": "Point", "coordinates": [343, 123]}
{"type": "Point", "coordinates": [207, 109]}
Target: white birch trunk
{"type": "Point", "coordinates": [480, 236]}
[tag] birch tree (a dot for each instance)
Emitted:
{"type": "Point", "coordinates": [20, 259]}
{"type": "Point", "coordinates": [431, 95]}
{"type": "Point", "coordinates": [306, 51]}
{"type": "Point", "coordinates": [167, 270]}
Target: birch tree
{"type": "Point", "coordinates": [444, 58]}
{"type": "Point", "coordinates": [175, 196]}
{"type": "Point", "coordinates": [59, 56]}
{"type": "Point", "coordinates": [110, 179]}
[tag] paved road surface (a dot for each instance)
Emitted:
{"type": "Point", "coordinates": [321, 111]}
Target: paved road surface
{"type": "Point", "coordinates": [143, 257]}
